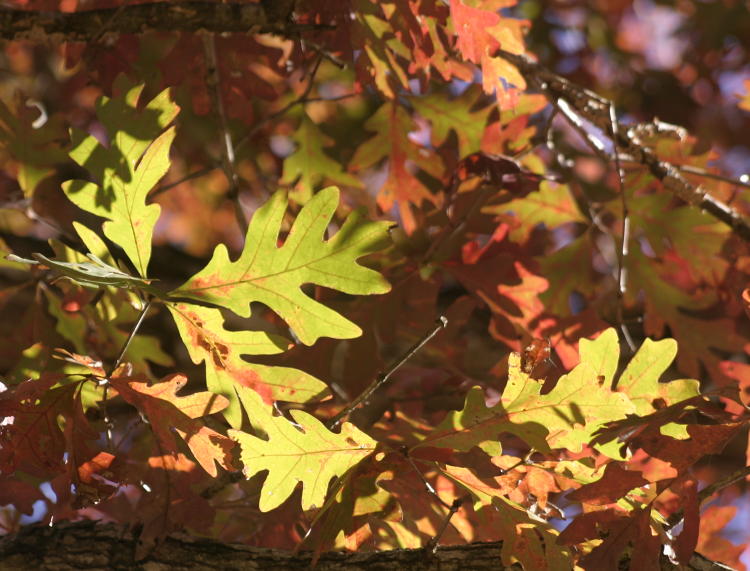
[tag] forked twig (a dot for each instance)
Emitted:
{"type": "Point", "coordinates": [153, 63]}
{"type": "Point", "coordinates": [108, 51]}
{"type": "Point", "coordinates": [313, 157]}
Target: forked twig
{"type": "Point", "coordinates": [432, 545]}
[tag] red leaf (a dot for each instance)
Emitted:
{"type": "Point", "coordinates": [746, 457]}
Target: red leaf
{"type": "Point", "coordinates": [684, 545]}
{"type": "Point", "coordinates": [165, 410]}
{"type": "Point", "coordinates": [613, 485]}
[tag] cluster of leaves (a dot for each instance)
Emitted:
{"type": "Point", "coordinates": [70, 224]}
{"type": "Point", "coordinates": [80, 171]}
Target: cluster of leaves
{"type": "Point", "coordinates": [523, 420]}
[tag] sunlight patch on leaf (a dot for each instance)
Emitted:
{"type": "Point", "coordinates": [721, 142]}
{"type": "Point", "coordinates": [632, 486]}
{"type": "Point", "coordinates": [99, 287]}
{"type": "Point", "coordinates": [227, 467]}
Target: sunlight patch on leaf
{"type": "Point", "coordinates": [304, 451]}
{"type": "Point", "coordinates": [126, 170]}
{"type": "Point", "coordinates": [274, 275]}
{"type": "Point", "coordinates": [202, 330]}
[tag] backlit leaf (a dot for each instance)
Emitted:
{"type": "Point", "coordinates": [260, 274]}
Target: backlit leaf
{"type": "Point", "coordinates": [166, 411]}
{"type": "Point", "coordinates": [126, 170]}
{"type": "Point", "coordinates": [202, 330]}
{"type": "Point", "coordinates": [300, 451]}
{"type": "Point", "coordinates": [308, 166]}
{"type": "Point", "coordinates": [566, 417]}
{"type": "Point", "coordinates": [274, 275]}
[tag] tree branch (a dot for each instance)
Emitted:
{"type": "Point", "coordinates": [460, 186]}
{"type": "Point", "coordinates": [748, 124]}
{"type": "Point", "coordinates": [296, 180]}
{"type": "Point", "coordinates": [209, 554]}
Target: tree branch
{"type": "Point", "coordinates": [595, 109]}
{"type": "Point", "coordinates": [191, 16]}
{"type": "Point", "coordinates": [86, 545]}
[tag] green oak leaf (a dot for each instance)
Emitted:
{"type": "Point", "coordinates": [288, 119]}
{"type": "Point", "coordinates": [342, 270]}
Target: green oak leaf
{"type": "Point", "coordinates": [300, 451]}
{"type": "Point", "coordinates": [274, 275]}
{"type": "Point", "coordinates": [640, 379]}
{"type": "Point", "coordinates": [202, 330]}
{"type": "Point", "coordinates": [126, 170]}
{"type": "Point", "coordinates": [566, 417]}
{"type": "Point", "coordinates": [466, 115]}
{"type": "Point", "coordinates": [551, 205]}
{"type": "Point", "coordinates": [308, 166]}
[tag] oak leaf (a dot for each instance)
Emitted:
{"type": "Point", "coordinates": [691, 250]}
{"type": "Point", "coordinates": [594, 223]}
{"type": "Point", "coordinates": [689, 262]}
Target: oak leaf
{"type": "Point", "coordinates": [480, 32]}
{"type": "Point", "coordinates": [166, 411]}
{"type": "Point", "coordinates": [640, 379]}
{"type": "Point", "coordinates": [274, 275]}
{"type": "Point", "coordinates": [125, 171]}
{"type": "Point", "coordinates": [302, 450]}
{"type": "Point", "coordinates": [202, 330]}
{"type": "Point", "coordinates": [566, 417]}
{"type": "Point", "coordinates": [402, 188]}
{"type": "Point", "coordinates": [309, 165]}
{"type": "Point", "coordinates": [465, 115]}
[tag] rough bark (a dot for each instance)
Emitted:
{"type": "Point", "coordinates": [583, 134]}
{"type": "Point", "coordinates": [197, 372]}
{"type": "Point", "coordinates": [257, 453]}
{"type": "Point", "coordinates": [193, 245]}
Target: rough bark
{"type": "Point", "coordinates": [192, 16]}
{"type": "Point", "coordinates": [70, 546]}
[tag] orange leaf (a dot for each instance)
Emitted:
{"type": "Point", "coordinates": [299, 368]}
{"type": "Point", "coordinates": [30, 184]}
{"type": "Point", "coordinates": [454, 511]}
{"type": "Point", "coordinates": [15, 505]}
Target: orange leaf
{"type": "Point", "coordinates": [165, 410]}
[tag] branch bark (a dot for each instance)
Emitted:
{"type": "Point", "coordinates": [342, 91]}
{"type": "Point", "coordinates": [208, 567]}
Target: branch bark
{"type": "Point", "coordinates": [596, 110]}
{"type": "Point", "coordinates": [86, 545]}
{"type": "Point", "coordinates": [192, 16]}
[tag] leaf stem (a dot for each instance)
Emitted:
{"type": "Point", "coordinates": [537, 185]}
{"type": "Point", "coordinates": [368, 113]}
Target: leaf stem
{"type": "Point", "coordinates": [383, 377]}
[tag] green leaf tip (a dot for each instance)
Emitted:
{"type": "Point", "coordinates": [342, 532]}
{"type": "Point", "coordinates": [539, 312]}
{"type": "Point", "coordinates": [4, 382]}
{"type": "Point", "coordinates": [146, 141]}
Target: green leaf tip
{"type": "Point", "coordinates": [125, 171]}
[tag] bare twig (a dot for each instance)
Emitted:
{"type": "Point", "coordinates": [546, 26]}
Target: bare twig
{"type": "Point", "coordinates": [430, 488]}
{"type": "Point", "coordinates": [187, 177]}
{"type": "Point", "coordinates": [622, 266]}
{"type": "Point", "coordinates": [382, 378]}
{"type": "Point", "coordinates": [454, 507]}
{"type": "Point", "coordinates": [725, 482]}
{"type": "Point", "coordinates": [213, 81]}
{"type": "Point", "coordinates": [689, 169]}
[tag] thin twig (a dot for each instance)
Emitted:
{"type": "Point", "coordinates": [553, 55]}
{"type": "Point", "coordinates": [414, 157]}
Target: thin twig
{"type": "Point", "coordinates": [113, 368]}
{"type": "Point", "coordinates": [622, 266]}
{"type": "Point", "coordinates": [187, 177]}
{"type": "Point", "coordinates": [382, 378]}
{"type": "Point", "coordinates": [228, 150]}
{"type": "Point", "coordinates": [432, 545]}
{"type": "Point", "coordinates": [335, 60]}
{"type": "Point", "coordinates": [453, 507]}
{"type": "Point", "coordinates": [725, 482]}
{"type": "Point", "coordinates": [430, 488]}
{"type": "Point", "coordinates": [689, 169]}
